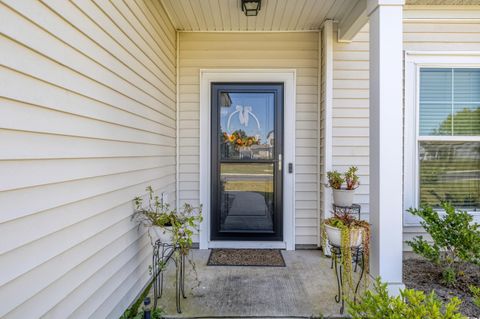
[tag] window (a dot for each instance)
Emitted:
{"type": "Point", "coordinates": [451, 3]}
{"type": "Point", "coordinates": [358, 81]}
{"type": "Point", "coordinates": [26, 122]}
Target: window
{"type": "Point", "coordinates": [448, 136]}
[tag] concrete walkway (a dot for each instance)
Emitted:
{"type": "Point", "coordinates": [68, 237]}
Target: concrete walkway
{"type": "Point", "coordinates": [305, 288]}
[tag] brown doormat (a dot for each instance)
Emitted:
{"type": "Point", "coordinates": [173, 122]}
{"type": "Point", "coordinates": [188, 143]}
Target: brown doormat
{"type": "Point", "coordinates": [246, 257]}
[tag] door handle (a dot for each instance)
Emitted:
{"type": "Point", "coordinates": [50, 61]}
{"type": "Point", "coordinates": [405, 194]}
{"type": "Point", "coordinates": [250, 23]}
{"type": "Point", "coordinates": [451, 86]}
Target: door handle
{"type": "Point", "coordinates": [280, 162]}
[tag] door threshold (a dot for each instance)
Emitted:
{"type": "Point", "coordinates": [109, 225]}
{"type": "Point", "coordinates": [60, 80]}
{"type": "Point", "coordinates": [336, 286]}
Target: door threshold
{"type": "Point", "coordinates": [247, 244]}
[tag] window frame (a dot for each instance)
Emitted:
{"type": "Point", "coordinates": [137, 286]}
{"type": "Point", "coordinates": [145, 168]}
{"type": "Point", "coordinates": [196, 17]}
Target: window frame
{"type": "Point", "coordinates": [414, 61]}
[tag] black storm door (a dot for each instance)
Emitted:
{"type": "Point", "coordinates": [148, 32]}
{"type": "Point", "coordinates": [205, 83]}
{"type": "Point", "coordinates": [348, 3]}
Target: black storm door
{"type": "Point", "coordinates": [247, 148]}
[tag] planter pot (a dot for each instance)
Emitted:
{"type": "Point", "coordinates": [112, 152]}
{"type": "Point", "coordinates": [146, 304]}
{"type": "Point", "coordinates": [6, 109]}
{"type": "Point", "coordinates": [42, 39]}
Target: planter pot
{"type": "Point", "coordinates": [162, 233]}
{"type": "Point", "coordinates": [334, 235]}
{"type": "Point", "coordinates": [343, 197]}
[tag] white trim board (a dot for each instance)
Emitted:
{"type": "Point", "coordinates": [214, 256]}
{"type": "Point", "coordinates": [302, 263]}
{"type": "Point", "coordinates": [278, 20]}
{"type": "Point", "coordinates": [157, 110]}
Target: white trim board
{"type": "Point", "coordinates": [288, 77]}
{"type": "Point", "coordinates": [413, 61]}
{"type": "Point", "coordinates": [177, 121]}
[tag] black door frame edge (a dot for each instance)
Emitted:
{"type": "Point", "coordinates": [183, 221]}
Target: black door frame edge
{"type": "Point", "coordinates": [262, 87]}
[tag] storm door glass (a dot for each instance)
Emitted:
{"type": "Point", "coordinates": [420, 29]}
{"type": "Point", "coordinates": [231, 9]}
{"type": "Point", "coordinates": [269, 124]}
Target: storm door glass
{"type": "Point", "coordinates": [246, 153]}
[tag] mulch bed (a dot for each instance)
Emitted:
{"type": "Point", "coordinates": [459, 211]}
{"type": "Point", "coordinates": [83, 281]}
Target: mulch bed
{"type": "Point", "coordinates": [423, 275]}
{"type": "Point", "coordinates": [246, 257]}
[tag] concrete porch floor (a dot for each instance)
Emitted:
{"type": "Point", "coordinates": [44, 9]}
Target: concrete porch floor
{"type": "Point", "coordinates": [305, 288]}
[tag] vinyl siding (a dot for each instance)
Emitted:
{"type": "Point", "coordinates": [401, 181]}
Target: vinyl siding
{"type": "Point", "coordinates": [249, 51]}
{"type": "Point", "coordinates": [87, 121]}
{"type": "Point", "coordinates": [351, 104]}
{"type": "Point", "coordinates": [350, 111]}
{"type": "Point", "coordinates": [439, 36]}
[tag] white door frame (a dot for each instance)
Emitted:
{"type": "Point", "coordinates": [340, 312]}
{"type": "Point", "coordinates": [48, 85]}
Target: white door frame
{"type": "Point", "coordinates": [288, 78]}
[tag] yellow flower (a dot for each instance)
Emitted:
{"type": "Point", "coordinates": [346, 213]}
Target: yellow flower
{"type": "Point", "coordinates": [231, 138]}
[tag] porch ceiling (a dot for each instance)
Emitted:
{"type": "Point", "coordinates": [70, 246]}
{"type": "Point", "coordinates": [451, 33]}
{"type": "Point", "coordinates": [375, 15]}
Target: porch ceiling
{"type": "Point", "coordinates": [275, 15]}
{"type": "Point", "coordinates": [443, 2]}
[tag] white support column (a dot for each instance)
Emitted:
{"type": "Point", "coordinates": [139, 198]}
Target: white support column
{"type": "Point", "coordinates": [327, 113]}
{"type": "Point", "coordinates": [326, 116]}
{"type": "Point", "coordinates": [386, 150]}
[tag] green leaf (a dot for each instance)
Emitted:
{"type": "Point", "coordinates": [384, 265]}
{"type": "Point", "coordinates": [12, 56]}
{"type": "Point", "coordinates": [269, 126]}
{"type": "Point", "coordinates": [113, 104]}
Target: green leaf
{"type": "Point", "coordinates": [411, 304]}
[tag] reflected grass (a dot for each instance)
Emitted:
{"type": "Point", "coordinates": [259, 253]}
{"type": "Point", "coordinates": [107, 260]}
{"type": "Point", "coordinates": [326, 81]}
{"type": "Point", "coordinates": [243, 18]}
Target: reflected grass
{"type": "Point", "coordinates": [247, 168]}
{"type": "Point", "coordinates": [249, 186]}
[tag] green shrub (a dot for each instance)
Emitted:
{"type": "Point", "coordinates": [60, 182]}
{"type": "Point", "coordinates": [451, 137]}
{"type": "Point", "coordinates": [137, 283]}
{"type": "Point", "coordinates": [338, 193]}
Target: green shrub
{"type": "Point", "coordinates": [475, 295]}
{"type": "Point", "coordinates": [139, 314]}
{"type": "Point", "coordinates": [411, 304]}
{"type": "Point", "coordinates": [455, 238]}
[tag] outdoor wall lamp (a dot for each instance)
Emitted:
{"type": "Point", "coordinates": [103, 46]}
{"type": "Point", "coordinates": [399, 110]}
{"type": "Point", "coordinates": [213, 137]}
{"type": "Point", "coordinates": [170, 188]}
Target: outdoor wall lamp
{"type": "Point", "coordinates": [251, 7]}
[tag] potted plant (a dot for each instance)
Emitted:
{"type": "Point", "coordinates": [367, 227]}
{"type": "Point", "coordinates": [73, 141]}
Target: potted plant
{"type": "Point", "coordinates": [168, 225]}
{"type": "Point", "coordinates": [348, 233]}
{"type": "Point", "coordinates": [345, 224]}
{"type": "Point", "coordinates": [343, 195]}
{"type": "Point", "coordinates": [154, 216]}
{"type": "Point", "coordinates": [171, 226]}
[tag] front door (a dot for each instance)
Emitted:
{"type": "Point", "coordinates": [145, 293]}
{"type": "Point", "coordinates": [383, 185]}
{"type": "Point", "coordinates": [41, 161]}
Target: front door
{"type": "Point", "coordinates": [247, 148]}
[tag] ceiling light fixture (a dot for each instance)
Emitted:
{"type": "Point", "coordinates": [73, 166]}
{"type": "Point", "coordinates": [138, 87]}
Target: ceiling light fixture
{"type": "Point", "coordinates": [251, 7]}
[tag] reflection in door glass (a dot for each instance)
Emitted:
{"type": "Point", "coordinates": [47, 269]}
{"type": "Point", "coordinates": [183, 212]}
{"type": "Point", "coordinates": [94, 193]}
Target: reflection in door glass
{"type": "Point", "coordinates": [246, 197]}
{"type": "Point", "coordinates": [247, 125]}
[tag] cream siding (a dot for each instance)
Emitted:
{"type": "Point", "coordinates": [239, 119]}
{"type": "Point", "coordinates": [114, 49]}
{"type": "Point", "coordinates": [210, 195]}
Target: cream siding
{"type": "Point", "coordinates": [439, 36]}
{"type": "Point", "coordinates": [350, 90]}
{"type": "Point", "coordinates": [294, 50]}
{"type": "Point", "coordinates": [350, 111]}
{"type": "Point", "coordinates": [87, 121]}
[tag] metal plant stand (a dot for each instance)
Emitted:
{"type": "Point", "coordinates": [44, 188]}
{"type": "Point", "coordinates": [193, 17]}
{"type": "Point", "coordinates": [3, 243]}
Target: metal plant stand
{"type": "Point", "coordinates": [336, 256]}
{"type": "Point", "coordinates": [162, 255]}
{"type": "Point", "coordinates": [350, 210]}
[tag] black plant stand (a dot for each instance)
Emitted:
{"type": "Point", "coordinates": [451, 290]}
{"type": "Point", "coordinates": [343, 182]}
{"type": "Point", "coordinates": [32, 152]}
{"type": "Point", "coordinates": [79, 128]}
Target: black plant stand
{"type": "Point", "coordinates": [162, 255]}
{"type": "Point", "coordinates": [336, 256]}
{"type": "Point", "coordinates": [350, 210]}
